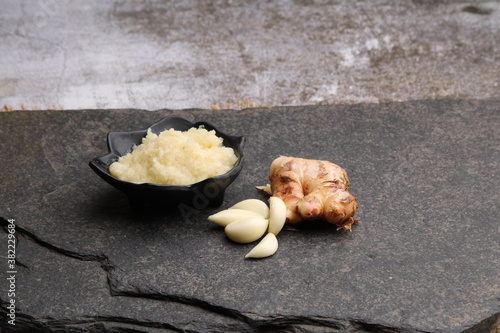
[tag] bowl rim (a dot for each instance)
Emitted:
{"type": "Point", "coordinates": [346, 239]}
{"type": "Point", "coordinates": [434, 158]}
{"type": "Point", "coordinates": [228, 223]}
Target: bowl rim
{"type": "Point", "coordinates": [101, 167]}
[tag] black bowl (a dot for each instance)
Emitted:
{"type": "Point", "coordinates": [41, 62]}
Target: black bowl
{"type": "Point", "coordinates": [209, 192]}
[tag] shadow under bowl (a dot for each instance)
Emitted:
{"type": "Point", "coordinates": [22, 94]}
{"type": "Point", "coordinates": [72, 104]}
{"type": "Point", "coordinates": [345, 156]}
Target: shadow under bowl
{"type": "Point", "coordinates": [206, 193]}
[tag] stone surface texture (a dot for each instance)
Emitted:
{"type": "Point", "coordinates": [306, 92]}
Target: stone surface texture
{"type": "Point", "coordinates": [184, 54]}
{"type": "Point", "coordinates": [424, 258]}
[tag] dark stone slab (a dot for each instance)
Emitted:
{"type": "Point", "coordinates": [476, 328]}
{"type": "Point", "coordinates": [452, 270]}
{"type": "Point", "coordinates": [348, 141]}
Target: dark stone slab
{"type": "Point", "coordinates": [424, 258]}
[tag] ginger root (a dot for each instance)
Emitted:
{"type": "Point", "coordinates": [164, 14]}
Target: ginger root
{"type": "Point", "coordinates": [312, 190]}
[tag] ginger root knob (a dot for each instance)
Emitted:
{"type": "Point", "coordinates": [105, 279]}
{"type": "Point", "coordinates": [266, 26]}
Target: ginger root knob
{"type": "Point", "coordinates": [312, 190]}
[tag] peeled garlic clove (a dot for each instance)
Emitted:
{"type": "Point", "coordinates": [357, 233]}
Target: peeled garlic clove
{"type": "Point", "coordinates": [266, 247]}
{"type": "Point", "coordinates": [247, 230]}
{"type": "Point", "coordinates": [277, 215]}
{"type": "Point", "coordinates": [225, 217]}
{"type": "Point", "coordinates": [253, 205]}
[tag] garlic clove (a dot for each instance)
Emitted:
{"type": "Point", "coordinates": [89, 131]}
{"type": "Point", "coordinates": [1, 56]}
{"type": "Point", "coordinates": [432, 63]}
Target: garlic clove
{"type": "Point", "coordinates": [225, 217]}
{"type": "Point", "coordinates": [246, 230]}
{"type": "Point", "coordinates": [266, 247]}
{"type": "Point", "coordinates": [253, 205]}
{"type": "Point", "coordinates": [277, 215]}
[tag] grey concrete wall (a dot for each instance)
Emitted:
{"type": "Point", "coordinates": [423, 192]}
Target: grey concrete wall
{"type": "Point", "coordinates": [183, 54]}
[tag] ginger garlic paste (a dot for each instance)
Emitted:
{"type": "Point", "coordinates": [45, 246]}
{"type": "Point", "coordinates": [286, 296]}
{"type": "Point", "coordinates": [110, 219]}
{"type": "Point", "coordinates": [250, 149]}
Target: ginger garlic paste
{"type": "Point", "coordinates": [175, 158]}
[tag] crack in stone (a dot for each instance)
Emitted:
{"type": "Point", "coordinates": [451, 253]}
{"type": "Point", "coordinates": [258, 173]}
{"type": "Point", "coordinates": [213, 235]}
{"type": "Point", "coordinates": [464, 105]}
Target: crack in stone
{"type": "Point", "coordinates": [75, 255]}
{"type": "Point", "coordinates": [272, 323]}
{"type": "Point", "coordinates": [28, 323]}
{"type": "Point", "coordinates": [199, 303]}
{"type": "Point", "coordinates": [101, 259]}
{"type": "Point", "coordinates": [95, 321]}
{"type": "Point", "coordinates": [295, 323]}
